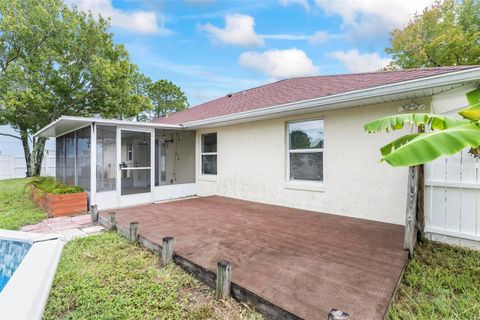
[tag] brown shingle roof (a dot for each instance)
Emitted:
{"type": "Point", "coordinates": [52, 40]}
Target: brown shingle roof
{"type": "Point", "coordinates": [298, 89]}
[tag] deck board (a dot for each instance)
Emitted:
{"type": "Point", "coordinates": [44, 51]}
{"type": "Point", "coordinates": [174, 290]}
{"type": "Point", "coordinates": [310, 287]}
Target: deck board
{"type": "Point", "coordinates": [304, 262]}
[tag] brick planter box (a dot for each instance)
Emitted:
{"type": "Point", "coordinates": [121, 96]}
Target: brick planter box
{"type": "Point", "coordinates": [60, 204]}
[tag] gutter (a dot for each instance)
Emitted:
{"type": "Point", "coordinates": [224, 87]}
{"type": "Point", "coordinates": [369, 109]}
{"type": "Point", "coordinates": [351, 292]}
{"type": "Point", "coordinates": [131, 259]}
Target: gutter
{"type": "Point", "coordinates": [389, 89]}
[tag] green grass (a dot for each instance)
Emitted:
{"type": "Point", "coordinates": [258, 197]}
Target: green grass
{"type": "Point", "coordinates": [106, 277]}
{"type": "Point", "coordinates": [16, 207]}
{"type": "Point", "coordinates": [441, 282]}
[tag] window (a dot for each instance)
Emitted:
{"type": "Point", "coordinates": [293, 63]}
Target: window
{"type": "Point", "coordinates": [209, 153]}
{"type": "Point", "coordinates": [305, 150]}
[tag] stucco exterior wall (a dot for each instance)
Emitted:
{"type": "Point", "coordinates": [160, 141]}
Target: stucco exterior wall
{"type": "Point", "coordinates": [452, 101]}
{"type": "Point", "coordinates": [251, 165]}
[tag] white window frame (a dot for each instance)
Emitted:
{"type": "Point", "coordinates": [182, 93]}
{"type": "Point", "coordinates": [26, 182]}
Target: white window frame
{"type": "Point", "coordinates": [304, 184]}
{"type": "Point", "coordinates": [207, 154]}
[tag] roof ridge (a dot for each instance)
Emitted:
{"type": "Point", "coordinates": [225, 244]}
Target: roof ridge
{"type": "Point", "coordinates": [388, 71]}
{"type": "Point", "coordinates": [353, 74]}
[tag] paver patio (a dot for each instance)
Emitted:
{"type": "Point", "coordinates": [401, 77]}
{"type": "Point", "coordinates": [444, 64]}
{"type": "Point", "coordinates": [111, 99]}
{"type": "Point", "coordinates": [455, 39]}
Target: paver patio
{"type": "Point", "coordinates": [70, 227]}
{"type": "Point", "coordinates": [304, 262]}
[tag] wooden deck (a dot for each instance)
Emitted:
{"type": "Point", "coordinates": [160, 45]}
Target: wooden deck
{"type": "Point", "coordinates": [303, 262]}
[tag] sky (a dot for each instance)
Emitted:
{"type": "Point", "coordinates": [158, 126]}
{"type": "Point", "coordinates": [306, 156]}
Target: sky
{"type": "Point", "coordinates": [213, 47]}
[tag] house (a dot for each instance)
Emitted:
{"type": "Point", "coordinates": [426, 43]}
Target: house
{"type": "Point", "coordinates": [297, 142]}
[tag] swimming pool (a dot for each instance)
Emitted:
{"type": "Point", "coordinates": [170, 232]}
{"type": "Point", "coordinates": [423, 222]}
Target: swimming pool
{"type": "Point", "coordinates": [11, 254]}
{"type": "Point", "coordinates": [28, 262]}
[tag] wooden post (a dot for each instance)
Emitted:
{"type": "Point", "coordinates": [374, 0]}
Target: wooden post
{"type": "Point", "coordinates": [167, 250]}
{"type": "Point", "coordinates": [420, 203]}
{"type": "Point", "coordinates": [421, 195]}
{"type": "Point", "coordinates": [224, 274]}
{"type": "Point", "coordinates": [94, 213]}
{"type": "Point", "coordinates": [133, 231]}
{"type": "Point", "coordinates": [338, 315]}
{"type": "Point", "coordinates": [411, 212]}
{"type": "Point", "coordinates": [112, 224]}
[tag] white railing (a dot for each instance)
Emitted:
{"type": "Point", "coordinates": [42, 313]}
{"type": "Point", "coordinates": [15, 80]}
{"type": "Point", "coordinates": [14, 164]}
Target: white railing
{"type": "Point", "coordinates": [15, 166]}
{"type": "Point", "coordinates": [452, 199]}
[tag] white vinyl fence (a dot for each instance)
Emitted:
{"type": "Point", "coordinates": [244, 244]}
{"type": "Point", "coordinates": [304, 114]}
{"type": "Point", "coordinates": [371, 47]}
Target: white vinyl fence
{"type": "Point", "coordinates": [452, 200]}
{"type": "Point", "coordinates": [15, 167]}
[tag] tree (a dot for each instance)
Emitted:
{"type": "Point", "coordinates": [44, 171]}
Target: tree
{"type": "Point", "coordinates": [58, 61]}
{"type": "Point", "coordinates": [299, 139]}
{"type": "Point", "coordinates": [446, 34]}
{"type": "Point", "coordinates": [446, 135]}
{"type": "Point", "coordinates": [166, 97]}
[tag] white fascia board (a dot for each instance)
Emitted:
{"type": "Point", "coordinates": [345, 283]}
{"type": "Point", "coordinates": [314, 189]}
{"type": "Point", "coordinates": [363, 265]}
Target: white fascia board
{"type": "Point", "coordinates": [83, 120]}
{"type": "Point", "coordinates": [462, 76]}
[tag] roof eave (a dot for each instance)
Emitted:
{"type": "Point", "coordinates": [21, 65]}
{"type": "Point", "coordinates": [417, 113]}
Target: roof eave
{"type": "Point", "coordinates": [82, 121]}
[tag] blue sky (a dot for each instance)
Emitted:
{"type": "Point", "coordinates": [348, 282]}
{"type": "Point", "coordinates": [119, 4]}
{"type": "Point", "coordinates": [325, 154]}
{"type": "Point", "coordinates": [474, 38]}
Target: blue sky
{"type": "Point", "coordinates": [212, 47]}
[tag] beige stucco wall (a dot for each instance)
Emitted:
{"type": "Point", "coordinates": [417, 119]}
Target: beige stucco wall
{"type": "Point", "coordinates": [451, 101]}
{"type": "Point", "coordinates": [252, 166]}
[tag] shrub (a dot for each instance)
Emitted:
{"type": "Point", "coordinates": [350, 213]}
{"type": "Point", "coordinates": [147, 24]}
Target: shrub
{"type": "Point", "coordinates": [50, 185]}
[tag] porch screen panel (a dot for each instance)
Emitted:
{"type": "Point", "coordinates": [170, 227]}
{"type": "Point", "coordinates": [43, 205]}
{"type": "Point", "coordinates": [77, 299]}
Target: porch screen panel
{"type": "Point", "coordinates": [70, 158]}
{"type": "Point", "coordinates": [174, 157]}
{"type": "Point", "coordinates": [60, 159]}
{"type": "Point", "coordinates": [106, 158]}
{"type": "Point", "coordinates": [83, 142]}
{"type": "Point", "coordinates": [135, 162]}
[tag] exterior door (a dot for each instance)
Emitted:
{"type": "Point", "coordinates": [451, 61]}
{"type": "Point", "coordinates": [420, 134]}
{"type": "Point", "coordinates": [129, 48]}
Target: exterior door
{"type": "Point", "coordinates": [135, 166]}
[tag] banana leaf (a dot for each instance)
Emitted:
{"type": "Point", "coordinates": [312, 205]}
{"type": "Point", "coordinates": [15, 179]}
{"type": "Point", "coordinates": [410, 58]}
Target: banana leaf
{"type": "Point", "coordinates": [473, 111]}
{"type": "Point", "coordinates": [431, 121]}
{"type": "Point", "coordinates": [422, 148]}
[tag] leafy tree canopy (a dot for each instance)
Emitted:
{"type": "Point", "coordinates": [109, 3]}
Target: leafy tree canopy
{"type": "Point", "coordinates": [446, 34]}
{"type": "Point", "coordinates": [166, 98]}
{"type": "Point", "coordinates": [56, 60]}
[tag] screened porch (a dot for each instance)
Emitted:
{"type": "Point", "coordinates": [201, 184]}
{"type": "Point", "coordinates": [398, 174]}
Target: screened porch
{"type": "Point", "coordinates": [124, 163]}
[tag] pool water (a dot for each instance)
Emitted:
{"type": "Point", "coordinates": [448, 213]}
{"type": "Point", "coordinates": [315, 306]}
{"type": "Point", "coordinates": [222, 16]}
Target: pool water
{"type": "Point", "coordinates": [11, 255]}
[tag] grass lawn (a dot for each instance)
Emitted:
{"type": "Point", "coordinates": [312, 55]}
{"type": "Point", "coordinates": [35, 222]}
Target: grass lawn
{"type": "Point", "coordinates": [441, 282]}
{"type": "Point", "coordinates": [106, 277]}
{"type": "Point", "coordinates": [16, 207]}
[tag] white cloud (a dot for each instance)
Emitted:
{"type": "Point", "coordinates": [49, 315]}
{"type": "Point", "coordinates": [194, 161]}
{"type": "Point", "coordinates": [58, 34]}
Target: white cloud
{"type": "Point", "coordinates": [138, 21]}
{"type": "Point", "coordinates": [239, 30]}
{"type": "Point", "coordinates": [355, 61]}
{"type": "Point", "coordinates": [280, 63]}
{"type": "Point", "coordinates": [302, 3]}
{"type": "Point", "coordinates": [285, 36]}
{"type": "Point", "coordinates": [317, 37]}
{"type": "Point", "coordinates": [372, 17]}
{"type": "Point", "coordinates": [321, 36]}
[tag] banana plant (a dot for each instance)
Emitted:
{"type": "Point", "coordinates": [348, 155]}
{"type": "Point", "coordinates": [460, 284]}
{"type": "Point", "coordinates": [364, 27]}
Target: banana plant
{"type": "Point", "coordinates": [444, 135]}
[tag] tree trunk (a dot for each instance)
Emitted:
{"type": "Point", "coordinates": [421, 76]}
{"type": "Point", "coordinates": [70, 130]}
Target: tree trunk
{"type": "Point", "coordinates": [26, 151]}
{"type": "Point", "coordinates": [34, 157]}
{"type": "Point", "coordinates": [37, 155]}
